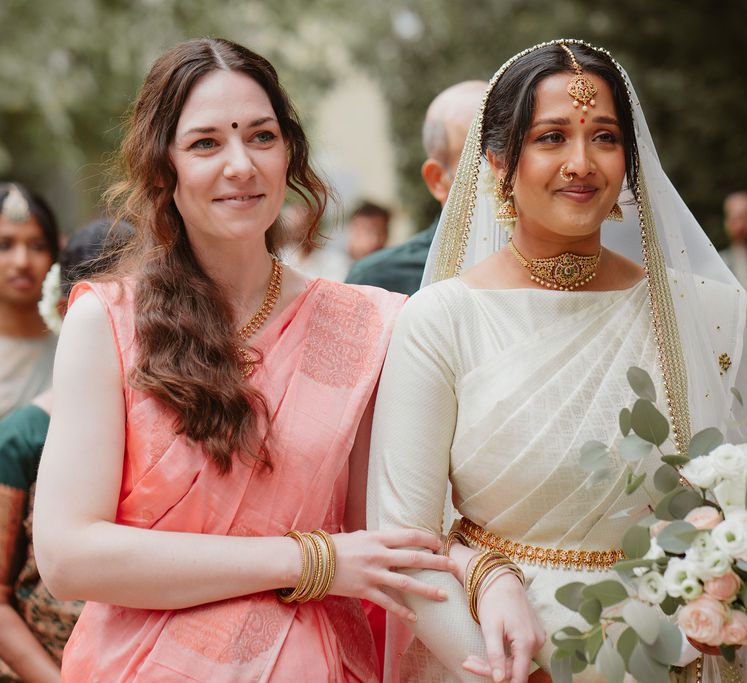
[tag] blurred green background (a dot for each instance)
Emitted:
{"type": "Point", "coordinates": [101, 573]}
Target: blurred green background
{"type": "Point", "coordinates": [68, 71]}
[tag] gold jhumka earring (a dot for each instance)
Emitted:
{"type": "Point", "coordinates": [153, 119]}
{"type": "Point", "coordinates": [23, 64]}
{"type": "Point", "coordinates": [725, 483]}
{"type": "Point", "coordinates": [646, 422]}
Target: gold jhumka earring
{"type": "Point", "coordinates": [504, 200]}
{"type": "Point", "coordinates": [615, 214]}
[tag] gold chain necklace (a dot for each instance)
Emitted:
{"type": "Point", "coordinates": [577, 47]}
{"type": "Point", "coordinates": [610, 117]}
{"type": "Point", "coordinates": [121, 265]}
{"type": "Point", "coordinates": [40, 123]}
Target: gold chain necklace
{"type": "Point", "coordinates": [565, 272]}
{"type": "Point", "coordinates": [246, 362]}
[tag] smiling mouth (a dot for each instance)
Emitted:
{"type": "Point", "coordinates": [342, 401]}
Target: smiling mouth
{"type": "Point", "coordinates": [579, 193]}
{"type": "Point", "coordinates": [239, 198]}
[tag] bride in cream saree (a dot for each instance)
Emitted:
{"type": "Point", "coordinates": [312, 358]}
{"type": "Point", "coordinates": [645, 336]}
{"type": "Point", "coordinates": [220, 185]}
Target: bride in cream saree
{"type": "Point", "coordinates": [492, 392]}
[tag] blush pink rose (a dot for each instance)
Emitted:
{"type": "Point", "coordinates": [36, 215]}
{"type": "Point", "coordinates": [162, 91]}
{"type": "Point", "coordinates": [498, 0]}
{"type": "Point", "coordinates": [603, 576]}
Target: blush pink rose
{"type": "Point", "coordinates": [723, 588]}
{"type": "Point", "coordinates": [735, 630]}
{"type": "Point", "coordinates": [703, 620]}
{"type": "Point", "coordinates": [704, 517]}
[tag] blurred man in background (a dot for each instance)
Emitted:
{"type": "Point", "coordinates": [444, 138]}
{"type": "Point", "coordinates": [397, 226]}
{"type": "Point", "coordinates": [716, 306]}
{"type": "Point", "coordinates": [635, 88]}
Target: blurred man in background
{"type": "Point", "coordinates": [400, 268]}
{"type": "Point", "coordinates": [735, 222]}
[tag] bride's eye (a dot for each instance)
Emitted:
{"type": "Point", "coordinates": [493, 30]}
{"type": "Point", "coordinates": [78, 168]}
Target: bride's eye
{"type": "Point", "coordinates": [553, 138]}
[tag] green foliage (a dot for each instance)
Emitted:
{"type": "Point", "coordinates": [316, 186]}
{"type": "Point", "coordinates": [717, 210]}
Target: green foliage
{"type": "Point", "coordinates": [676, 537]}
{"type": "Point", "coordinates": [610, 663]}
{"type": "Point", "coordinates": [666, 479]}
{"type": "Point", "coordinates": [594, 455]}
{"type": "Point", "coordinates": [624, 421]}
{"type": "Point", "coordinates": [649, 423]}
{"type": "Point", "coordinates": [636, 542]}
{"type": "Point", "coordinates": [633, 448]}
{"type": "Point", "coordinates": [608, 592]}
{"type": "Point", "coordinates": [704, 442]}
{"type": "Point", "coordinates": [640, 381]}
{"type": "Point", "coordinates": [570, 595]}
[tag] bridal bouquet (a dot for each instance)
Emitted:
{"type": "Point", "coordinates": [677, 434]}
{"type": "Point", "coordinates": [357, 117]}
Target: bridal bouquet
{"type": "Point", "coordinates": [686, 559]}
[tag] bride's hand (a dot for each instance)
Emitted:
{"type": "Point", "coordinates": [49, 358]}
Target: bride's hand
{"type": "Point", "coordinates": [367, 562]}
{"type": "Point", "coordinates": [511, 629]}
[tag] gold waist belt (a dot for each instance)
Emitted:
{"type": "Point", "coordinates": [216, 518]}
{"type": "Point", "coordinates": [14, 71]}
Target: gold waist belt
{"type": "Point", "coordinates": [533, 554]}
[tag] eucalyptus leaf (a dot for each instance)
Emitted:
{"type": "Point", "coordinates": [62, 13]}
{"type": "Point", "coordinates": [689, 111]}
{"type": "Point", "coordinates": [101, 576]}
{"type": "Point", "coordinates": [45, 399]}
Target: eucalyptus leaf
{"type": "Point", "coordinates": [571, 595]}
{"type": "Point", "coordinates": [676, 537]}
{"type": "Point", "coordinates": [578, 661]}
{"type": "Point", "coordinates": [743, 593]}
{"type": "Point", "coordinates": [666, 479]}
{"type": "Point", "coordinates": [633, 448]}
{"type": "Point", "coordinates": [649, 423]}
{"type": "Point", "coordinates": [622, 514]}
{"type": "Point", "coordinates": [560, 667]}
{"type": "Point", "coordinates": [636, 542]}
{"type": "Point", "coordinates": [667, 647]}
{"type": "Point", "coordinates": [591, 609]}
{"type": "Point", "coordinates": [669, 605]}
{"type": "Point", "coordinates": [624, 420]}
{"type": "Point", "coordinates": [737, 395]}
{"type": "Point", "coordinates": [643, 619]}
{"type": "Point", "coordinates": [593, 643]}
{"type": "Point", "coordinates": [594, 455]}
{"type": "Point", "coordinates": [626, 642]}
{"type": "Point", "coordinates": [568, 639]}
{"type": "Point", "coordinates": [608, 592]}
{"type": "Point", "coordinates": [634, 482]}
{"type": "Point", "coordinates": [645, 668]}
{"type": "Point", "coordinates": [704, 442]}
{"type": "Point", "coordinates": [662, 507]}
{"type": "Point", "coordinates": [610, 664]}
{"type": "Point", "coordinates": [675, 460]}
{"type": "Point", "coordinates": [684, 501]}
{"type": "Point", "coordinates": [640, 381]}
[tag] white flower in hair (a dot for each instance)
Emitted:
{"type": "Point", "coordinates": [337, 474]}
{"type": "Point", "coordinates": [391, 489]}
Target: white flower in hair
{"type": "Point", "coordinates": [486, 180]}
{"type": "Point", "coordinates": [50, 298]}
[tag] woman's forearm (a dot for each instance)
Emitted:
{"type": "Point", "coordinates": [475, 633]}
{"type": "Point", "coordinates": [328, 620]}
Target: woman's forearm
{"type": "Point", "coordinates": [143, 568]}
{"type": "Point", "coordinates": [22, 652]}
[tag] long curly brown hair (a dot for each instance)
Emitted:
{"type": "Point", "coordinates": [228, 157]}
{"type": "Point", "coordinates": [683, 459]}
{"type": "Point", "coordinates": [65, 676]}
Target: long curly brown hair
{"type": "Point", "coordinates": [183, 323]}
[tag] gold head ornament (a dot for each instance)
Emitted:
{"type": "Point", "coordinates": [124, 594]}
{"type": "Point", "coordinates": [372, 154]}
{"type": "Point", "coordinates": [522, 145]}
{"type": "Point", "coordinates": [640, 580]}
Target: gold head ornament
{"type": "Point", "coordinates": [15, 207]}
{"type": "Point", "coordinates": [580, 87]}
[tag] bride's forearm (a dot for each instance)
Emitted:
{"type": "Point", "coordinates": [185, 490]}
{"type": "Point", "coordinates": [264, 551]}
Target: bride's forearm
{"type": "Point", "coordinates": [143, 568]}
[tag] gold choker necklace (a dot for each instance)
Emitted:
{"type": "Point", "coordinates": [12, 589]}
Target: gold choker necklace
{"type": "Point", "coordinates": [565, 272]}
{"type": "Point", "coordinates": [246, 362]}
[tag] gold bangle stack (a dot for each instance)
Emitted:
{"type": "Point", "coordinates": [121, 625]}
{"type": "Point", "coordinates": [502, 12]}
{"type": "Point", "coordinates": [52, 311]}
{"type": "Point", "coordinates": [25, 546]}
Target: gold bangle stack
{"type": "Point", "coordinates": [318, 565]}
{"type": "Point", "coordinates": [483, 567]}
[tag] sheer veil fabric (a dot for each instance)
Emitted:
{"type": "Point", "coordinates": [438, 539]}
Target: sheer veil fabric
{"type": "Point", "coordinates": [697, 307]}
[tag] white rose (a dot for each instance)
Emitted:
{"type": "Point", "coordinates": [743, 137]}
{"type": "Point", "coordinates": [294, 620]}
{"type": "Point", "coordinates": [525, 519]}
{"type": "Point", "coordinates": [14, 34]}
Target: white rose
{"type": "Point", "coordinates": [730, 493]}
{"type": "Point", "coordinates": [651, 588]}
{"type": "Point", "coordinates": [691, 589]}
{"type": "Point", "coordinates": [700, 472]}
{"type": "Point", "coordinates": [677, 573]}
{"type": "Point", "coordinates": [728, 460]}
{"type": "Point", "coordinates": [730, 536]}
{"type": "Point", "coordinates": [709, 565]}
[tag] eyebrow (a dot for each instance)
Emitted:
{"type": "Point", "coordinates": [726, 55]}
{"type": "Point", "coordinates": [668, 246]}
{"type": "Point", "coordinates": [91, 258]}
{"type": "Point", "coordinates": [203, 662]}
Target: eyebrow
{"type": "Point", "coordinates": [212, 129]}
{"type": "Point", "coordinates": [567, 122]}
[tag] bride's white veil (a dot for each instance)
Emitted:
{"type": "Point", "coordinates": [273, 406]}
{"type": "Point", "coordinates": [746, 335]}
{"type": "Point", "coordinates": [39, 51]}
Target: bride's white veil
{"type": "Point", "coordinates": [698, 309]}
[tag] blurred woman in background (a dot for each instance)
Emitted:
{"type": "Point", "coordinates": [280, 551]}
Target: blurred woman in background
{"type": "Point", "coordinates": [29, 244]}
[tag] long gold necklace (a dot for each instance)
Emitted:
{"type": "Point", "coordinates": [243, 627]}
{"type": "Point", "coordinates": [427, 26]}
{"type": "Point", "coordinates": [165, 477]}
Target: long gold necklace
{"type": "Point", "coordinates": [565, 272]}
{"type": "Point", "coordinates": [246, 362]}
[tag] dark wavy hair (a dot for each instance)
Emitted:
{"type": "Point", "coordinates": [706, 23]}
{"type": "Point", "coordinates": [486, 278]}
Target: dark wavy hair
{"type": "Point", "coordinates": [510, 106]}
{"type": "Point", "coordinates": [41, 212]}
{"type": "Point", "coordinates": [183, 323]}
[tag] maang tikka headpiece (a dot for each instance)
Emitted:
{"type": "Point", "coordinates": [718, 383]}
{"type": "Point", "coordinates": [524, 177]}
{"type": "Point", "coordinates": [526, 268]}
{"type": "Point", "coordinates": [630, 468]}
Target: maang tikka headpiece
{"type": "Point", "coordinates": [15, 207]}
{"type": "Point", "coordinates": [580, 88]}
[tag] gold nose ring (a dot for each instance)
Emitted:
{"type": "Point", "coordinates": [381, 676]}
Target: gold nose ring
{"type": "Point", "coordinates": [565, 175]}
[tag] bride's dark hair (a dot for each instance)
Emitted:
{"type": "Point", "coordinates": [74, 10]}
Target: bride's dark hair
{"type": "Point", "coordinates": [183, 324]}
{"type": "Point", "coordinates": [510, 106]}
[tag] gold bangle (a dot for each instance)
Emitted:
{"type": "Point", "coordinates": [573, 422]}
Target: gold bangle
{"type": "Point", "coordinates": [331, 562]}
{"type": "Point", "coordinates": [454, 535]}
{"type": "Point", "coordinates": [288, 595]}
{"type": "Point", "coordinates": [487, 562]}
{"type": "Point", "coordinates": [316, 550]}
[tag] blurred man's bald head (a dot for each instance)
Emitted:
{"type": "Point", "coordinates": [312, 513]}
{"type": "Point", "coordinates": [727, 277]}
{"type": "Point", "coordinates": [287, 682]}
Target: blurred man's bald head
{"type": "Point", "coordinates": [445, 128]}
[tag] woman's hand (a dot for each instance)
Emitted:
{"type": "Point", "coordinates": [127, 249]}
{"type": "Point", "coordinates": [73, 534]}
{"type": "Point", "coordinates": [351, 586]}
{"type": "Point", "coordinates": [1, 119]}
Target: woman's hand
{"type": "Point", "coordinates": [512, 632]}
{"type": "Point", "coordinates": [367, 562]}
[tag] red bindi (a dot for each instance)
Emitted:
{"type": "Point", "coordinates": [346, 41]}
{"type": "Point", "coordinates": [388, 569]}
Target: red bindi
{"type": "Point", "coordinates": [582, 120]}
{"type": "Point", "coordinates": [234, 125]}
